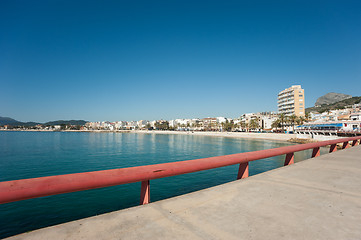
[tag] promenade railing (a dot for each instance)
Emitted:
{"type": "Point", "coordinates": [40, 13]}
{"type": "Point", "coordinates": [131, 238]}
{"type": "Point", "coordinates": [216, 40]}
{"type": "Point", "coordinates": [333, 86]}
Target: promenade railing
{"type": "Point", "coordinates": [17, 190]}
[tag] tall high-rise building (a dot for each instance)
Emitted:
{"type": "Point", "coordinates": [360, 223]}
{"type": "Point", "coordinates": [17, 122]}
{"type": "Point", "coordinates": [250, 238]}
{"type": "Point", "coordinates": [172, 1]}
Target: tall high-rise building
{"type": "Point", "coordinates": [291, 101]}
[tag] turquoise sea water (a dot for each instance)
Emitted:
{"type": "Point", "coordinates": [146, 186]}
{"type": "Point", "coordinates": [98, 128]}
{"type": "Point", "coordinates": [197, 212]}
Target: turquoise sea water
{"type": "Point", "coordinates": [37, 154]}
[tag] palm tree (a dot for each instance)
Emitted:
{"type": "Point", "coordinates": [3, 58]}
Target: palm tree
{"type": "Point", "coordinates": [243, 125]}
{"type": "Point", "coordinates": [276, 124]}
{"type": "Point", "coordinates": [282, 118]}
{"type": "Point", "coordinates": [228, 126]}
{"type": "Point", "coordinates": [307, 117]}
{"type": "Point", "coordinates": [292, 119]}
{"type": "Point", "coordinates": [254, 124]}
{"type": "Point", "coordinates": [300, 120]}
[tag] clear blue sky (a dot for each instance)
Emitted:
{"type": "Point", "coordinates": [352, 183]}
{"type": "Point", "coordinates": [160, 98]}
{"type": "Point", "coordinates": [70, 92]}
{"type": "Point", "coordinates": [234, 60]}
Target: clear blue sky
{"type": "Point", "coordinates": [132, 60]}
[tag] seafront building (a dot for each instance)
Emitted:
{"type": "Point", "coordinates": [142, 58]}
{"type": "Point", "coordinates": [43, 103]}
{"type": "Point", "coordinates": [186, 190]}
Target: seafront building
{"type": "Point", "coordinates": [352, 113]}
{"type": "Point", "coordinates": [142, 123]}
{"type": "Point", "coordinates": [291, 101]}
{"type": "Point", "coordinates": [264, 119]}
{"type": "Point", "coordinates": [209, 124]}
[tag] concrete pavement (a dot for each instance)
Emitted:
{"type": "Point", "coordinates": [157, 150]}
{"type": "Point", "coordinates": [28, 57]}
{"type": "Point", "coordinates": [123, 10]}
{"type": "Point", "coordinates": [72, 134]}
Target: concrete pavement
{"type": "Point", "coordinates": [318, 198]}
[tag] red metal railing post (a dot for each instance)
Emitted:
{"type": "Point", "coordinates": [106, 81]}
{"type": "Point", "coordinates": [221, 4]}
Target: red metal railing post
{"type": "Point", "coordinates": [144, 193]}
{"type": "Point", "coordinates": [316, 152]}
{"type": "Point", "coordinates": [345, 145]}
{"type": "Point", "coordinates": [355, 143]}
{"type": "Point", "coordinates": [243, 171]}
{"type": "Point", "coordinates": [289, 159]}
{"type": "Point", "coordinates": [333, 148]}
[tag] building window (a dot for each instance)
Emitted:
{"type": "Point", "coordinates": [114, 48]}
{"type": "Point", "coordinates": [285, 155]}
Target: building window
{"type": "Point", "coordinates": [301, 108]}
{"type": "Point", "coordinates": [301, 104]}
{"type": "Point", "coordinates": [301, 95]}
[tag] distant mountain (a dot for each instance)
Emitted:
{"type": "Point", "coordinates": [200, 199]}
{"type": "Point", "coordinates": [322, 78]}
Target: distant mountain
{"type": "Point", "coordinates": [13, 122]}
{"type": "Point", "coordinates": [337, 105]}
{"type": "Point", "coordinates": [8, 121]}
{"type": "Point", "coordinates": [66, 122]}
{"type": "Point", "coordinates": [331, 98]}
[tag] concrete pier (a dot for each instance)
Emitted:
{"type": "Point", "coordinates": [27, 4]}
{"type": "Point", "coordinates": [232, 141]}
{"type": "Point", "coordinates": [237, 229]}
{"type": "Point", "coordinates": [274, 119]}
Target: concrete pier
{"type": "Point", "coordinates": [319, 198]}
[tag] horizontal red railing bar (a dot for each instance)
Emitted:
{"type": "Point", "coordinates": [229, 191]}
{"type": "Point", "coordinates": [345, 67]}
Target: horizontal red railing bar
{"type": "Point", "coordinates": [17, 190]}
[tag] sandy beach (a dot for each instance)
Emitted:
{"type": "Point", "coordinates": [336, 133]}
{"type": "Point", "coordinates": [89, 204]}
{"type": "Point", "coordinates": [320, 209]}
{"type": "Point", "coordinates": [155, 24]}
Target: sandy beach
{"type": "Point", "coordinates": [251, 135]}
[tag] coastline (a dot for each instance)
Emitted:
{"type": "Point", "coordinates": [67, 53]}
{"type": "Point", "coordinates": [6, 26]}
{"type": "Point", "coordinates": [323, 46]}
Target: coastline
{"type": "Point", "coordinates": [250, 135]}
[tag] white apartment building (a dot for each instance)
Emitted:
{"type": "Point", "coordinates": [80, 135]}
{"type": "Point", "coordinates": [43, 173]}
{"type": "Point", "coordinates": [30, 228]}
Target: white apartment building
{"type": "Point", "coordinates": [142, 123]}
{"type": "Point", "coordinates": [267, 120]}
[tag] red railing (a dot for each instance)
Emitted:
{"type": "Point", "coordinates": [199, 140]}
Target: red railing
{"type": "Point", "coordinates": [17, 190]}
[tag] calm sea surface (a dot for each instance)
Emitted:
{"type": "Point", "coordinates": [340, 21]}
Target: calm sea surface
{"type": "Point", "coordinates": [37, 154]}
